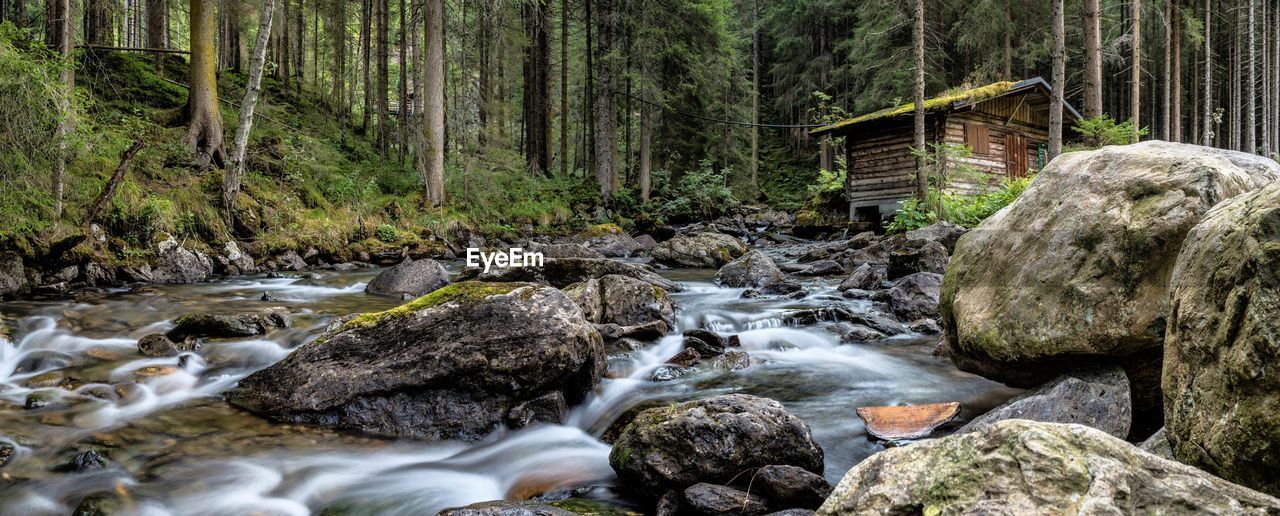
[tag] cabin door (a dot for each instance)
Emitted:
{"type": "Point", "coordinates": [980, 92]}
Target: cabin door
{"type": "Point", "coordinates": [1015, 155]}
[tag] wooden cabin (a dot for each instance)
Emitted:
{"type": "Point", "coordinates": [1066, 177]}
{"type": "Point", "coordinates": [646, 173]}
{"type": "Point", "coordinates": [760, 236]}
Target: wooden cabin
{"type": "Point", "coordinates": [1005, 125]}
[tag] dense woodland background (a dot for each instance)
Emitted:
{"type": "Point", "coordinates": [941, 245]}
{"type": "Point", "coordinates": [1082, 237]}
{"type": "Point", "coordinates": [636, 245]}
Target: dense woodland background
{"type": "Point", "coordinates": [508, 113]}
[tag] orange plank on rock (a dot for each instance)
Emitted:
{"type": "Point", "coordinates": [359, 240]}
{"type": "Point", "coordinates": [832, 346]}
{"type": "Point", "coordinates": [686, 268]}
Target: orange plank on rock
{"type": "Point", "coordinates": [907, 421]}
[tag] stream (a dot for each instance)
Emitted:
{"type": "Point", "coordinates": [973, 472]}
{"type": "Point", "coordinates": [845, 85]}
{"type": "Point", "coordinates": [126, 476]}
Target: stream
{"type": "Point", "coordinates": [71, 380]}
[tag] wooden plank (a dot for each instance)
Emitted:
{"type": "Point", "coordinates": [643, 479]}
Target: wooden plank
{"type": "Point", "coordinates": [907, 421]}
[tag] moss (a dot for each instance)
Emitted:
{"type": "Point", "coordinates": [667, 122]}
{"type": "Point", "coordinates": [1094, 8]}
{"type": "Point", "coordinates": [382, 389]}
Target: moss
{"type": "Point", "coordinates": [464, 292]}
{"type": "Point", "coordinates": [943, 101]}
{"type": "Point", "coordinates": [600, 230]}
{"type": "Point", "coordinates": [591, 507]}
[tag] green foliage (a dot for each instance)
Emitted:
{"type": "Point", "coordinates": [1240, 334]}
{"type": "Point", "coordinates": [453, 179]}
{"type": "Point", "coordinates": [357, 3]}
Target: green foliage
{"type": "Point", "coordinates": [699, 193]}
{"type": "Point", "coordinates": [386, 233]}
{"type": "Point", "coordinates": [1101, 131]}
{"type": "Point", "coordinates": [964, 210]}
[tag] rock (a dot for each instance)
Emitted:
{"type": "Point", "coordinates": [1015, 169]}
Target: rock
{"type": "Point", "coordinates": [704, 250]}
{"type": "Point", "coordinates": [687, 357]}
{"type": "Point", "coordinates": [7, 451]}
{"type": "Point", "coordinates": [240, 259]}
{"type": "Point", "coordinates": [1097, 398]}
{"type": "Point", "coordinates": [711, 440]}
{"type": "Point", "coordinates": [101, 504]}
{"type": "Point", "coordinates": [711, 499]}
{"type": "Point", "coordinates": [13, 277]}
{"type": "Point", "coordinates": [622, 300]}
{"type": "Point", "coordinates": [859, 333]}
{"type": "Point", "coordinates": [789, 486]}
{"type": "Point", "coordinates": [1158, 445]}
{"type": "Point", "coordinates": [1221, 392]}
{"type": "Point", "coordinates": [903, 422]}
{"type": "Point", "coordinates": [570, 250]}
{"type": "Point", "coordinates": [413, 277]}
{"type": "Point", "coordinates": [226, 326]}
{"type": "Point", "coordinates": [505, 508]}
{"type": "Point", "coordinates": [290, 261]}
{"type": "Point", "coordinates": [1076, 270]}
{"type": "Point", "coordinates": [649, 331]}
{"type": "Point", "coordinates": [768, 218]}
{"type": "Point", "coordinates": [669, 504]}
{"type": "Point", "coordinates": [454, 364]}
{"type": "Point", "coordinates": [177, 264]}
{"type": "Point", "coordinates": [913, 297]}
{"type": "Point", "coordinates": [751, 270]}
{"type": "Point", "coordinates": [865, 277]}
{"type": "Point", "coordinates": [1026, 467]}
{"type": "Point", "coordinates": [706, 342]}
{"type": "Point", "coordinates": [646, 242]}
{"type": "Point", "coordinates": [944, 233]}
{"type": "Point", "coordinates": [823, 268]}
{"type": "Point", "coordinates": [99, 275]}
{"type": "Point", "coordinates": [157, 345]}
{"type": "Point", "coordinates": [562, 272]}
{"type": "Point", "coordinates": [915, 256]}
{"type": "Point", "coordinates": [667, 373]}
{"type": "Point", "coordinates": [731, 361]}
{"type": "Point", "coordinates": [84, 461]}
{"type": "Point", "coordinates": [610, 240]}
{"type": "Point", "coordinates": [792, 512]}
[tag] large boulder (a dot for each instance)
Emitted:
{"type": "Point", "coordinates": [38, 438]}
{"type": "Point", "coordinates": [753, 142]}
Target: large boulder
{"type": "Point", "coordinates": [1075, 270]}
{"type": "Point", "coordinates": [704, 250]}
{"type": "Point", "coordinates": [177, 264]}
{"type": "Point", "coordinates": [1221, 388]}
{"type": "Point", "coordinates": [711, 440]}
{"type": "Point", "coordinates": [412, 277]}
{"type": "Point", "coordinates": [13, 277]}
{"type": "Point", "coordinates": [1098, 398]}
{"type": "Point", "coordinates": [1025, 467]}
{"type": "Point", "coordinates": [622, 300]}
{"type": "Point", "coordinates": [454, 364]}
{"type": "Point", "coordinates": [562, 272]}
{"type": "Point", "coordinates": [752, 270]}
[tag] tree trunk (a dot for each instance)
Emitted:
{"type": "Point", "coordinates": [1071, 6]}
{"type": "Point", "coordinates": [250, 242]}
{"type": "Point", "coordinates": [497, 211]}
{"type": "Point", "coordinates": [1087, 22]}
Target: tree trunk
{"type": "Point", "coordinates": [366, 31]}
{"type": "Point", "coordinates": [62, 15]}
{"type": "Point", "coordinates": [1250, 93]}
{"type": "Point", "coordinates": [564, 88]}
{"type": "Point", "coordinates": [1135, 105]}
{"type": "Point", "coordinates": [1167, 83]}
{"type": "Point", "coordinates": [1237, 127]}
{"type": "Point", "coordinates": [109, 191]}
{"type": "Point", "coordinates": [1007, 61]}
{"type": "Point", "coordinates": [589, 93]}
{"type": "Point", "coordinates": [537, 88]}
{"type": "Point", "coordinates": [755, 96]}
{"type": "Point", "coordinates": [1092, 12]}
{"type": "Point", "coordinates": [155, 23]}
{"type": "Point", "coordinates": [99, 21]}
{"type": "Point", "coordinates": [1206, 137]}
{"type": "Point", "coordinates": [1175, 75]}
{"type": "Point", "coordinates": [1059, 56]}
{"type": "Point", "coordinates": [402, 114]}
{"type": "Point", "coordinates": [286, 57]}
{"type": "Point", "coordinates": [234, 173]}
{"type": "Point", "coordinates": [300, 56]}
{"type": "Point", "coordinates": [606, 113]}
{"type": "Point", "coordinates": [431, 160]}
{"type": "Point", "coordinates": [338, 34]}
{"type": "Point", "coordinates": [204, 134]}
{"type": "Point", "coordinates": [917, 33]}
{"type": "Point", "coordinates": [383, 76]}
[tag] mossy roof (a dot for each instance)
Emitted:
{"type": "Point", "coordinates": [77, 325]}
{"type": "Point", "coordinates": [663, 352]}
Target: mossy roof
{"type": "Point", "coordinates": [950, 100]}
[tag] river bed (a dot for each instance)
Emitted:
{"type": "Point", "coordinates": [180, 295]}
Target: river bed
{"type": "Point", "coordinates": [71, 380]}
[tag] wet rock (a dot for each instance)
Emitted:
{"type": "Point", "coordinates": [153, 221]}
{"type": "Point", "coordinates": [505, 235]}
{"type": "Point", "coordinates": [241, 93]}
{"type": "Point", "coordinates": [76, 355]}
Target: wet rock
{"type": "Point", "coordinates": [290, 261]}
{"type": "Point", "coordinates": [100, 504]}
{"type": "Point", "coordinates": [450, 365]}
{"type": "Point", "coordinates": [649, 331]}
{"type": "Point", "coordinates": [1098, 398]}
{"type": "Point", "coordinates": [238, 258]}
{"type": "Point", "coordinates": [646, 242]}
{"type": "Point", "coordinates": [913, 297]}
{"type": "Point", "coordinates": [506, 508]}
{"type": "Point", "coordinates": [789, 486]}
{"type": "Point", "coordinates": [622, 300]}
{"type": "Point", "coordinates": [704, 250]}
{"type": "Point", "coordinates": [711, 499]}
{"type": "Point", "coordinates": [687, 357]}
{"type": "Point", "coordinates": [1026, 467]}
{"type": "Point", "coordinates": [610, 240]}
{"type": "Point", "coordinates": [177, 264]}
{"type": "Point", "coordinates": [138, 274]}
{"type": "Point", "coordinates": [711, 440]}
{"type": "Point", "coordinates": [926, 327]}
{"type": "Point", "coordinates": [823, 268]}
{"type": "Point", "coordinates": [858, 333]}
{"type": "Point", "coordinates": [1221, 393]}
{"type": "Point", "coordinates": [865, 277]}
{"type": "Point", "coordinates": [7, 451]}
{"type": "Point", "coordinates": [1158, 445]}
{"type": "Point", "coordinates": [1077, 269]}
{"type": "Point", "coordinates": [768, 218]}
{"type": "Point", "coordinates": [41, 399]}
{"type": "Point", "coordinates": [413, 277]}
{"type": "Point", "coordinates": [562, 272]}
{"type": "Point", "coordinates": [13, 277]}
{"type": "Point", "coordinates": [751, 270]}
{"type": "Point", "coordinates": [157, 345]}
{"type": "Point", "coordinates": [876, 321]}
{"type": "Point", "coordinates": [669, 504]}
{"type": "Point", "coordinates": [668, 373]}
{"type": "Point", "coordinates": [84, 461]}
{"type": "Point", "coordinates": [706, 342]}
{"type": "Point", "coordinates": [731, 361]}
{"type": "Point", "coordinates": [268, 297]}
{"type": "Point", "coordinates": [100, 275]}
{"type": "Point", "coordinates": [915, 256]}
{"type": "Point", "coordinates": [944, 233]}
{"type": "Point", "coordinates": [792, 512]}
{"type": "Point", "coordinates": [569, 250]}
{"type": "Point", "coordinates": [226, 326]}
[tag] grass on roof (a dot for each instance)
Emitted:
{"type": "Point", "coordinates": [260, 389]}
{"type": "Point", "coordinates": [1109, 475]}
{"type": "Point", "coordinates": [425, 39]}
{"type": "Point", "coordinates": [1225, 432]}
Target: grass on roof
{"type": "Point", "coordinates": [966, 95]}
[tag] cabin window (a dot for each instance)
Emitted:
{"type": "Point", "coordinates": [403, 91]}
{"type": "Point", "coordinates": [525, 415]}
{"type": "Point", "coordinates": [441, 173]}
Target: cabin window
{"type": "Point", "coordinates": [978, 138]}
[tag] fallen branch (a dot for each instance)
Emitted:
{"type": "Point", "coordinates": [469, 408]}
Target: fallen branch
{"type": "Point", "coordinates": [128, 49]}
{"type": "Point", "coordinates": [110, 190]}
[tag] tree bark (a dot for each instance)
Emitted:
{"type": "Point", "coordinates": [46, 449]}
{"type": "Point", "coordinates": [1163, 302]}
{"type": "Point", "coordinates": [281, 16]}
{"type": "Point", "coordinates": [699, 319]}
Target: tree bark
{"type": "Point", "coordinates": [564, 88]}
{"type": "Point", "coordinates": [338, 34]}
{"type": "Point", "coordinates": [606, 112]}
{"type": "Point", "coordinates": [204, 134]}
{"type": "Point", "coordinates": [431, 161]}
{"type": "Point", "coordinates": [155, 23]}
{"type": "Point", "coordinates": [1092, 12]}
{"type": "Point", "coordinates": [1206, 137]}
{"type": "Point", "coordinates": [1059, 56]}
{"type": "Point", "coordinates": [1135, 79]}
{"type": "Point", "coordinates": [755, 95]}
{"type": "Point", "coordinates": [1167, 83]}
{"type": "Point", "coordinates": [537, 88]}
{"type": "Point", "coordinates": [235, 173]}
{"type": "Point", "coordinates": [383, 75]}
{"type": "Point", "coordinates": [402, 100]}
{"type": "Point", "coordinates": [286, 56]}
{"type": "Point", "coordinates": [917, 33]}
{"type": "Point", "coordinates": [109, 191]}
{"type": "Point", "coordinates": [61, 9]}
{"type": "Point", "coordinates": [1250, 94]}
{"type": "Point", "coordinates": [1176, 74]}
{"type": "Point", "coordinates": [366, 31]}
{"type": "Point", "coordinates": [99, 21]}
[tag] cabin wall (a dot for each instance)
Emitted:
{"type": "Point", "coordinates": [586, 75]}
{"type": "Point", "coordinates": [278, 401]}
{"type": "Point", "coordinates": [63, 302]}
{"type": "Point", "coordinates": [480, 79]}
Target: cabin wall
{"type": "Point", "coordinates": [1002, 120]}
{"type": "Point", "coordinates": [881, 166]}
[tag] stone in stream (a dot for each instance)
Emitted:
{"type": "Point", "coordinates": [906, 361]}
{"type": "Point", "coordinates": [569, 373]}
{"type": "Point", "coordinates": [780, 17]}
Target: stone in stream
{"type": "Point", "coordinates": [822, 268]}
{"type": "Point", "coordinates": [707, 342]}
{"type": "Point", "coordinates": [562, 272]}
{"type": "Point", "coordinates": [507, 508]}
{"type": "Point", "coordinates": [177, 264]}
{"type": "Point", "coordinates": [1221, 389]}
{"type": "Point", "coordinates": [704, 250]}
{"type": "Point", "coordinates": [1027, 467]}
{"type": "Point", "coordinates": [157, 345]}
{"type": "Point", "coordinates": [7, 451]}
{"type": "Point", "coordinates": [916, 256]}
{"type": "Point", "coordinates": [685, 358]}
{"type": "Point", "coordinates": [711, 440]}
{"type": "Point", "coordinates": [454, 364]}
{"type": "Point", "coordinates": [82, 462]}
{"type": "Point", "coordinates": [1076, 270]}
{"type": "Point", "coordinates": [622, 300]}
{"type": "Point", "coordinates": [865, 277]}
{"type": "Point", "coordinates": [751, 270]}
{"type": "Point", "coordinates": [1098, 398]}
{"type": "Point", "coordinates": [220, 326]}
{"type": "Point", "coordinates": [13, 277]}
{"type": "Point", "coordinates": [789, 486]}
{"type": "Point", "coordinates": [610, 240]}
{"type": "Point", "coordinates": [907, 421]}
{"type": "Point", "coordinates": [913, 297]}
{"type": "Point", "coordinates": [713, 500]}
{"type": "Point", "coordinates": [944, 233]}
{"type": "Point", "coordinates": [566, 250]}
{"type": "Point", "coordinates": [412, 277]}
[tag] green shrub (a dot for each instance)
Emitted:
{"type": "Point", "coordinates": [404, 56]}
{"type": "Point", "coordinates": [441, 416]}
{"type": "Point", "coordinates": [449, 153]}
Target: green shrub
{"type": "Point", "coordinates": [964, 210]}
{"type": "Point", "coordinates": [1101, 131]}
{"type": "Point", "coordinates": [699, 193]}
{"type": "Point", "coordinates": [386, 233]}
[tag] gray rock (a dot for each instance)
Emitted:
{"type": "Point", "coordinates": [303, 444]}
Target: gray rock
{"type": "Point", "coordinates": [865, 277]}
{"type": "Point", "coordinates": [789, 486]}
{"type": "Point", "coordinates": [944, 233]}
{"type": "Point", "coordinates": [562, 272]}
{"type": "Point", "coordinates": [711, 500]}
{"type": "Point", "coordinates": [13, 277]}
{"type": "Point", "coordinates": [646, 242]}
{"type": "Point", "coordinates": [823, 268]}
{"type": "Point", "coordinates": [239, 258]}
{"type": "Point", "coordinates": [567, 250]}
{"type": "Point", "coordinates": [1026, 467]}
{"type": "Point", "coordinates": [454, 364]}
{"type": "Point", "coordinates": [1097, 398]}
{"type": "Point", "coordinates": [225, 326]}
{"type": "Point", "coordinates": [751, 270]}
{"type": "Point", "coordinates": [290, 261]}
{"type": "Point", "coordinates": [731, 361]}
{"type": "Point", "coordinates": [157, 345]}
{"type": "Point", "coordinates": [413, 277]}
{"type": "Point", "coordinates": [913, 297]}
{"type": "Point", "coordinates": [622, 300]}
{"type": "Point", "coordinates": [708, 343]}
{"type": "Point", "coordinates": [177, 264]}
{"type": "Point", "coordinates": [705, 250]}
{"type": "Point", "coordinates": [1158, 445]}
{"type": "Point", "coordinates": [507, 508]}
{"type": "Point", "coordinates": [711, 440]}
{"type": "Point", "coordinates": [610, 240]}
{"type": "Point", "coordinates": [913, 256]}
{"type": "Point", "coordinates": [687, 357]}
{"type": "Point", "coordinates": [99, 275]}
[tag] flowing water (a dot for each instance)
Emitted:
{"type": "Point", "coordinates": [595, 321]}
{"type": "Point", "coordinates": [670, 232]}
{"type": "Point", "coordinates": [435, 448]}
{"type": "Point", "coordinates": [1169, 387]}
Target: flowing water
{"type": "Point", "coordinates": [71, 380]}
